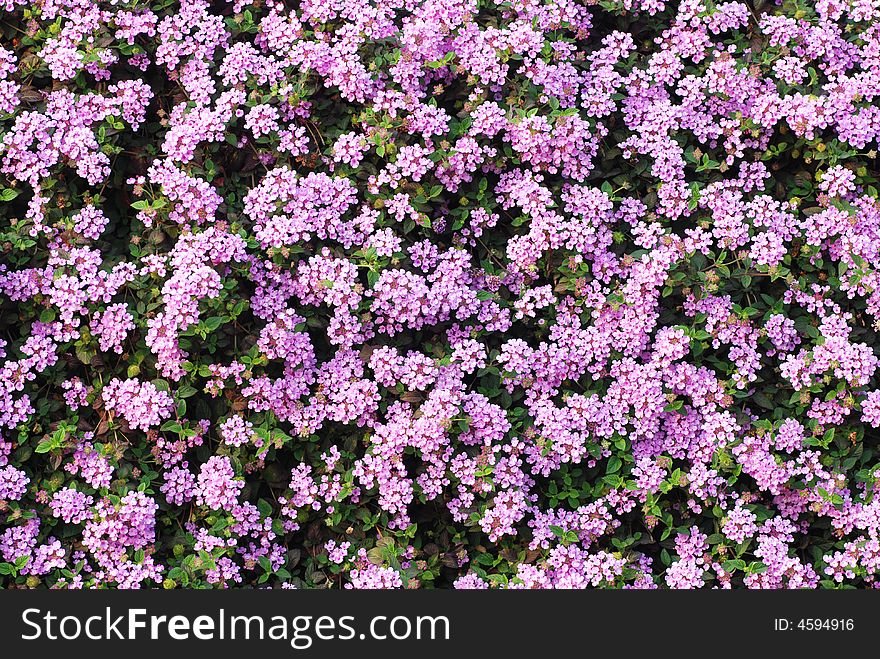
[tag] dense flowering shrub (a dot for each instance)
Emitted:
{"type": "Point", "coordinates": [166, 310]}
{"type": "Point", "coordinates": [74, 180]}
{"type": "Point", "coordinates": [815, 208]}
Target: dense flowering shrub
{"type": "Point", "coordinates": [447, 293]}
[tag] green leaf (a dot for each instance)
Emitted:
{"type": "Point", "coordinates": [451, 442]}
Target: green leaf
{"type": "Point", "coordinates": [214, 322]}
{"type": "Point", "coordinates": [185, 391]}
{"type": "Point", "coordinates": [49, 443]}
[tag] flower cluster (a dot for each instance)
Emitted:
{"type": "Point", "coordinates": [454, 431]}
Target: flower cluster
{"type": "Point", "coordinates": [545, 294]}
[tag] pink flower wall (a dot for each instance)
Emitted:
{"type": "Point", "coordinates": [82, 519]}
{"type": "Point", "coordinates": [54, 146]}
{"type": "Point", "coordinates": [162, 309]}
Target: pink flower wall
{"type": "Point", "coordinates": [458, 293]}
